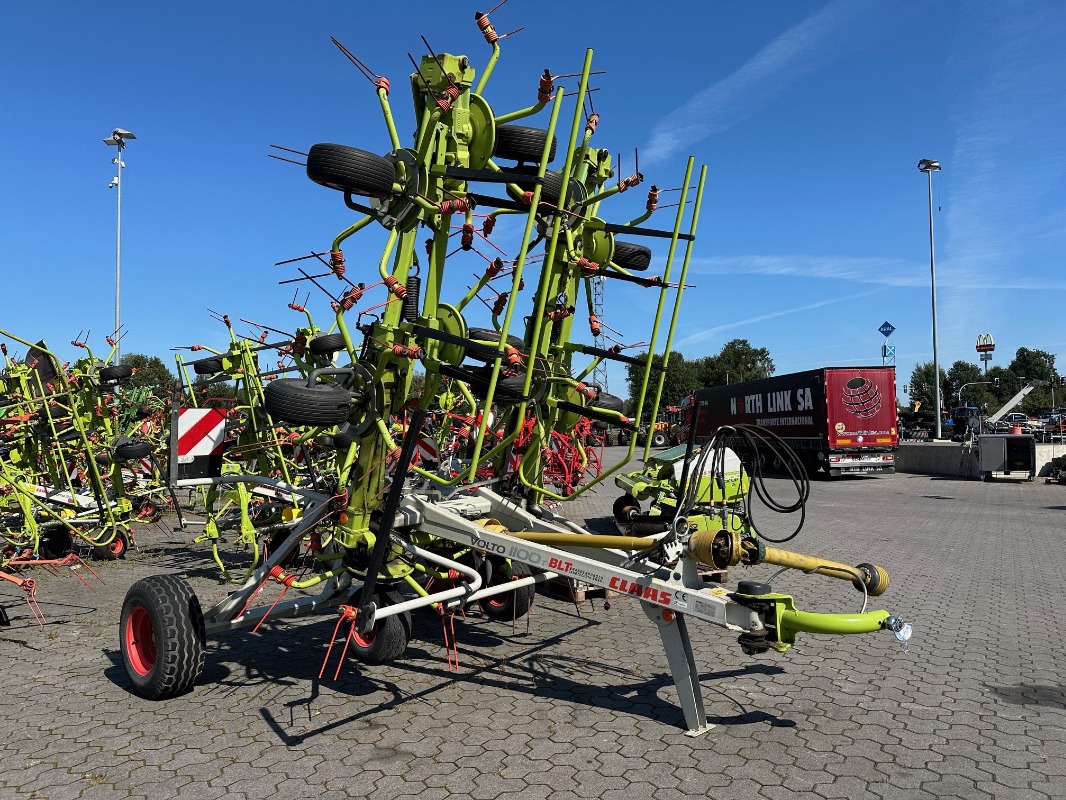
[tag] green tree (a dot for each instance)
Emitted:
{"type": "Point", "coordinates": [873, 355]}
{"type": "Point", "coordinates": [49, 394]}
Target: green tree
{"type": "Point", "coordinates": [923, 383]}
{"type": "Point", "coordinates": [150, 371]}
{"type": "Point", "coordinates": [736, 362]}
{"type": "Point", "coordinates": [1034, 365]}
{"type": "Point", "coordinates": [680, 380]}
{"type": "Point", "coordinates": [976, 393]}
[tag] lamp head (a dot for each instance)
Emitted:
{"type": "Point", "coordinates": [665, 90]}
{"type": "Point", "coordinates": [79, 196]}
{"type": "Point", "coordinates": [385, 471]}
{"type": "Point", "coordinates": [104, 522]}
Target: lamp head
{"type": "Point", "coordinates": [929, 165]}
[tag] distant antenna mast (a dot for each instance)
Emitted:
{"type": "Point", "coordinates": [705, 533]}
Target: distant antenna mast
{"type": "Point", "coordinates": [599, 375]}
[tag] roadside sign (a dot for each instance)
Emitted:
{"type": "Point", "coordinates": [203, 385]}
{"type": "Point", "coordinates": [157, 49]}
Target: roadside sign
{"type": "Point", "coordinates": [888, 351]}
{"type": "Point", "coordinates": [887, 328]}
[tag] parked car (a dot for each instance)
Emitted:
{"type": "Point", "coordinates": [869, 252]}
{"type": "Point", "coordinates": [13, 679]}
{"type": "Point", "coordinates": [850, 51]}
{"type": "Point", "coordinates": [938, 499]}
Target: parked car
{"type": "Point", "coordinates": [1055, 428]}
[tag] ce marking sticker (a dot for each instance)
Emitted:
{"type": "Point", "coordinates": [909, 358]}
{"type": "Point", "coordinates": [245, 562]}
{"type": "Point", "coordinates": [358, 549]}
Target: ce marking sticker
{"type": "Point", "coordinates": [681, 599]}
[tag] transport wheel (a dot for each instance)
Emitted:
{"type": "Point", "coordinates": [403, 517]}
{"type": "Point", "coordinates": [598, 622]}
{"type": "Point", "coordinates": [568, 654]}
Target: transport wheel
{"type": "Point", "coordinates": [292, 400]}
{"type": "Point", "coordinates": [634, 257]}
{"type": "Point", "coordinates": [161, 636]}
{"type": "Point", "coordinates": [348, 169]}
{"type": "Point", "coordinates": [658, 439]}
{"type": "Point", "coordinates": [207, 366]}
{"type": "Point", "coordinates": [509, 605]}
{"type": "Point", "coordinates": [522, 143]}
{"type": "Point", "coordinates": [326, 344]}
{"type": "Point", "coordinates": [116, 372]}
{"type": "Point", "coordinates": [114, 549]}
{"type": "Point", "coordinates": [388, 639]}
{"type": "Point", "coordinates": [623, 505]}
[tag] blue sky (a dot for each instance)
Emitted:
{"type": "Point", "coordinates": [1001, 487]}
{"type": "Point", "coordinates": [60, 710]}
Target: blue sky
{"type": "Point", "coordinates": [811, 117]}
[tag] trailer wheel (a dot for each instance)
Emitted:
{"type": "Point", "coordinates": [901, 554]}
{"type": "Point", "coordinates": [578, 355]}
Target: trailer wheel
{"type": "Point", "coordinates": [348, 169]}
{"type": "Point", "coordinates": [509, 605]}
{"type": "Point", "coordinates": [114, 549]}
{"type": "Point", "coordinates": [162, 637]}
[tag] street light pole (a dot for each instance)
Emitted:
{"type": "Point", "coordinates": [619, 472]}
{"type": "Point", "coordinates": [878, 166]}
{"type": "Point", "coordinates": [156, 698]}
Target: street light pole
{"type": "Point", "coordinates": [117, 139]}
{"type": "Point", "coordinates": [928, 166]}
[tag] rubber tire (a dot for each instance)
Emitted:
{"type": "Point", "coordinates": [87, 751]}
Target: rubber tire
{"type": "Point", "coordinates": [115, 549]}
{"type": "Point", "coordinates": [327, 344]}
{"type": "Point", "coordinates": [348, 169]}
{"type": "Point", "coordinates": [343, 440]}
{"type": "Point", "coordinates": [170, 613]}
{"type": "Point", "coordinates": [133, 451]}
{"type": "Point", "coordinates": [658, 439]}
{"type": "Point", "coordinates": [509, 605]}
{"type": "Point", "coordinates": [292, 400]}
{"type": "Point", "coordinates": [116, 372]}
{"type": "Point", "coordinates": [633, 257]}
{"type": "Point", "coordinates": [553, 189]}
{"type": "Point", "coordinates": [508, 389]}
{"type": "Point", "coordinates": [386, 641]}
{"type": "Point", "coordinates": [624, 502]}
{"type": "Point", "coordinates": [522, 143]}
{"type": "Point", "coordinates": [56, 543]}
{"type": "Point", "coordinates": [493, 337]}
{"type": "Point", "coordinates": [608, 402]}
{"type": "Point", "coordinates": [208, 366]}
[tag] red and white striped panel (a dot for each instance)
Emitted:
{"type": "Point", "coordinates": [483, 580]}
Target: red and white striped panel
{"type": "Point", "coordinates": [201, 432]}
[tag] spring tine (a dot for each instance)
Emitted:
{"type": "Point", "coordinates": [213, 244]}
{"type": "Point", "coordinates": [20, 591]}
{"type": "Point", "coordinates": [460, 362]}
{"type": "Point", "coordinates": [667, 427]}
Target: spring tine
{"type": "Point", "coordinates": [344, 651]}
{"type": "Point", "coordinates": [298, 258]}
{"type": "Point", "coordinates": [516, 30]}
{"type": "Point", "coordinates": [329, 649]}
{"type": "Point", "coordinates": [363, 68]}
{"type": "Point", "coordinates": [290, 150]}
{"type": "Point", "coordinates": [291, 161]}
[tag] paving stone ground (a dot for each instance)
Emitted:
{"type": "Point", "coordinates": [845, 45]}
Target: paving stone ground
{"type": "Point", "coordinates": [582, 705]}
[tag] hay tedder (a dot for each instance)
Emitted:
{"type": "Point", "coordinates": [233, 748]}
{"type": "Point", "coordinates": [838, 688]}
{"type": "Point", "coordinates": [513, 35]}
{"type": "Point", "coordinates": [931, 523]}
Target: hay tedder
{"type": "Point", "coordinates": [347, 493]}
{"type": "Point", "coordinates": [72, 477]}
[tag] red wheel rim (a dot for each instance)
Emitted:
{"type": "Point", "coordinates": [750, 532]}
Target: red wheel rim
{"type": "Point", "coordinates": [367, 640]}
{"type": "Point", "coordinates": [117, 546]}
{"type": "Point", "coordinates": [495, 601]}
{"type": "Point", "coordinates": [140, 640]}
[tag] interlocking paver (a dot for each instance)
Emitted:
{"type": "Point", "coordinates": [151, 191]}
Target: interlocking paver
{"type": "Point", "coordinates": [582, 705]}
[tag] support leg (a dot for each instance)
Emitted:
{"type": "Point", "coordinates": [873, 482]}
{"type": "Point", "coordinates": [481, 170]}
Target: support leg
{"type": "Point", "coordinates": [674, 633]}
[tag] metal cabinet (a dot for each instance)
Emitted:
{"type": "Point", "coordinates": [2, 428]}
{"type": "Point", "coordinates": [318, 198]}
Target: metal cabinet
{"type": "Point", "coordinates": [1008, 453]}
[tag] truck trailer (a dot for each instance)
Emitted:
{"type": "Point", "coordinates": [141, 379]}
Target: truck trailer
{"type": "Point", "coordinates": [838, 419]}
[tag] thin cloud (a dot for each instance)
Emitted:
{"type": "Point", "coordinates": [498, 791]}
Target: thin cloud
{"type": "Point", "coordinates": [878, 271]}
{"type": "Point", "coordinates": [1005, 220]}
{"type": "Point", "coordinates": [824, 36]}
{"type": "Point", "coordinates": [709, 332]}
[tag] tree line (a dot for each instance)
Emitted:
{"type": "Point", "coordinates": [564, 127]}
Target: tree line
{"type": "Point", "coordinates": [969, 382]}
{"type": "Point", "coordinates": [736, 362]}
